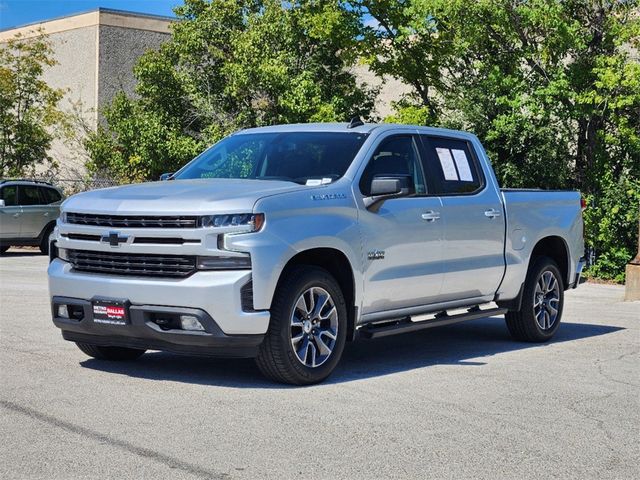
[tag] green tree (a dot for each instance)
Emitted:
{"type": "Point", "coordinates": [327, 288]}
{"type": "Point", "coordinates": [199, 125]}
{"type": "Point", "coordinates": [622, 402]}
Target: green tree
{"type": "Point", "coordinates": [28, 106]}
{"type": "Point", "coordinates": [551, 87]}
{"type": "Point", "coordinates": [232, 64]}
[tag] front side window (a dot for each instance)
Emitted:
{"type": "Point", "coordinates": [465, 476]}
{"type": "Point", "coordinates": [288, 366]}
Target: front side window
{"type": "Point", "coordinates": [395, 156]}
{"type": "Point", "coordinates": [301, 157]}
{"type": "Point", "coordinates": [10, 195]}
{"type": "Point", "coordinates": [29, 195]}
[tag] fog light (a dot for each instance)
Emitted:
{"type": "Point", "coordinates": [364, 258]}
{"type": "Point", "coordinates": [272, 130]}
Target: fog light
{"type": "Point", "coordinates": [189, 322]}
{"type": "Point", "coordinates": [63, 312]}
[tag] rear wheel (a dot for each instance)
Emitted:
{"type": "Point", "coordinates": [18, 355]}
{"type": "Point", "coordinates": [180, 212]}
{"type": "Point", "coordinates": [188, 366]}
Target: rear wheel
{"type": "Point", "coordinates": [110, 353]}
{"type": "Point", "coordinates": [308, 328]}
{"type": "Point", "coordinates": [543, 298]}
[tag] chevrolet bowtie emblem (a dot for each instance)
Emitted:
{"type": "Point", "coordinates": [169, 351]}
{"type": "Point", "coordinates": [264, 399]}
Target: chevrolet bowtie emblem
{"type": "Point", "coordinates": [114, 239]}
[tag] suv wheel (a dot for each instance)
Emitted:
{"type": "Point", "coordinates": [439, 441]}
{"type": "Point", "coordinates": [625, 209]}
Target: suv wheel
{"type": "Point", "coordinates": [539, 316]}
{"type": "Point", "coordinates": [110, 353]}
{"type": "Point", "coordinates": [44, 242]}
{"type": "Point", "coordinates": [308, 328]}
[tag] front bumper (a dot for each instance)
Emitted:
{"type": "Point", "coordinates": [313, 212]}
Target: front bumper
{"type": "Point", "coordinates": [213, 296]}
{"type": "Point", "coordinates": [142, 332]}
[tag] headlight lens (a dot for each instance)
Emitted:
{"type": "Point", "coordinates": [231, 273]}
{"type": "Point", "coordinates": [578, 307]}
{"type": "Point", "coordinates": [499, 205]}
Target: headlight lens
{"type": "Point", "coordinates": [63, 217]}
{"type": "Point", "coordinates": [224, 263]}
{"type": "Point", "coordinates": [62, 254]}
{"type": "Point", "coordinates": [247, 222]}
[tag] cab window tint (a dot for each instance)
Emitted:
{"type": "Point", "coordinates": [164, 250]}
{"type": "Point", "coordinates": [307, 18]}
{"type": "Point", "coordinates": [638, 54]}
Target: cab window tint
{"type": "Point", "coordinates": [50, 195]}
{"type": "Point", "coordinates": [396, 156]}
{"type": "Point", "coordinates": [29, 195]}
{"type": "Point", "coordinates": [10, 195]}
{"type": "Point", "coordinates": [450, 166]}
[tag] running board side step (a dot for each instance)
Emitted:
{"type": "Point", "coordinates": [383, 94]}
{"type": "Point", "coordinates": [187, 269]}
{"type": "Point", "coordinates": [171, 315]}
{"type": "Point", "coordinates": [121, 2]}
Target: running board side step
{"type": "Point", "coordinates": [405, 325]}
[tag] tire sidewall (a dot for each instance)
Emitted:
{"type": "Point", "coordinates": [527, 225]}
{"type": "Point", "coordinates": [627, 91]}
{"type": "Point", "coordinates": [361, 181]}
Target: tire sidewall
{"type": "Point", "coordinates": [313, 277]}
{"type": "Point", "coordinates": [540, 266]}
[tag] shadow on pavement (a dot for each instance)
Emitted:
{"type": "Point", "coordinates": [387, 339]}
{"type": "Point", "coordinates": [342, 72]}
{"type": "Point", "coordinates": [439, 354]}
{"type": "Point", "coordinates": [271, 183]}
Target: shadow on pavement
{"type": "Point", "coordinates": [456, 344]}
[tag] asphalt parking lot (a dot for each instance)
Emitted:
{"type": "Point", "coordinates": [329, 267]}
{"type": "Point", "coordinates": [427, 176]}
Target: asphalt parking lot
{"type": "Point", "coordinates": [462, 401]}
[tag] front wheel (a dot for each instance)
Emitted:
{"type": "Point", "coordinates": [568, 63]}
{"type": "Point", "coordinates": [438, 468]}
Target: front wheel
{"type": "Point", "coordinates": [308, 328]}
{"type": "Point", "coordinates": [110, 353]}
{"type": "Point", "coordinates": [543, 298]}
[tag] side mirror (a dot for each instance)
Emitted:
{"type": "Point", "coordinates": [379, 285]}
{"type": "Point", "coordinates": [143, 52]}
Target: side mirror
{"type": "Point", "coordinates": [165, 176]}
{"type": "Point", "coordinates": [1, 203]}
{"type": "Point", "coordinates": [385, 187]}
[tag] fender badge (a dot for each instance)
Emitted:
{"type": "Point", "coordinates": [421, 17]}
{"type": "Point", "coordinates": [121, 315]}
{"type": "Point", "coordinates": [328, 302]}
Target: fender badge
{"type": "Point", "coordinates": [376, 255]}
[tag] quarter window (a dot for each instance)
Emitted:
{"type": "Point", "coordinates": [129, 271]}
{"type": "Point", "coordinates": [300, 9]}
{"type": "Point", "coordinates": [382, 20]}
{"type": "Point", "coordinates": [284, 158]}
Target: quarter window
{"type": "Point", "coordinates": [450, 166]}
{"type": "Point", "coordinates": [395, 156]}
{"type": "Point", "coordinates": [50, 195]}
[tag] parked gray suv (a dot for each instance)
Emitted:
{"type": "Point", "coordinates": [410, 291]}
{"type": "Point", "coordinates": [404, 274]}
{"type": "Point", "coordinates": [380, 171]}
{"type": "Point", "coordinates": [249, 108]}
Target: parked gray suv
{"type": "Point", "coordinates": [28, 213]}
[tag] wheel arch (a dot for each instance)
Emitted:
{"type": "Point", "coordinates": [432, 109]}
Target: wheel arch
{"type": "Point", "coordinates": [338, 265]}
{"type": "Point", "coordinates": [557, 249]}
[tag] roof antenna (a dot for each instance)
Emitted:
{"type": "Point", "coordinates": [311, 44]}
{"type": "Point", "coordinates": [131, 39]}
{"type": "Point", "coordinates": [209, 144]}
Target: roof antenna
{"type": "Point", "coordinates": [355, 122]}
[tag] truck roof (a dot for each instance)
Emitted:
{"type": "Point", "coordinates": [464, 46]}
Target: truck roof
{"type": "Point", "coordinates": [344, 127]}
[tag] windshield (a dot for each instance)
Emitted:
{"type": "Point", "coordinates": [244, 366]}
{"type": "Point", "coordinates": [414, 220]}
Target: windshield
{"type": "Point", "coordinates": [301, 157]}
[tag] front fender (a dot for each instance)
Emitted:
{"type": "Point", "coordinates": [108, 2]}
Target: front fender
{"type": "Point", "coordinates": [296, 223]}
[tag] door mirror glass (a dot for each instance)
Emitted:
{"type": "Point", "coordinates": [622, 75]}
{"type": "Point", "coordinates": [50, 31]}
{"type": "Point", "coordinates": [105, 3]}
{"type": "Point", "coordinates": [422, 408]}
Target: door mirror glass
{"type": "Point", "coordinates": [166, 176]}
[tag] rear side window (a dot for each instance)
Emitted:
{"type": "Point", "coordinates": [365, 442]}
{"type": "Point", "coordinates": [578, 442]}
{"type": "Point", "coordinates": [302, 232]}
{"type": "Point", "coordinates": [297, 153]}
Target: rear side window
{"type": "Point", "coordinates": [29, 195]}
{"type": "Point", "coordinates": [10, 195]}
{"type": "Point", "coordinates": [50, 195]}
{"type": "Point", "coordinates": [450, 166]}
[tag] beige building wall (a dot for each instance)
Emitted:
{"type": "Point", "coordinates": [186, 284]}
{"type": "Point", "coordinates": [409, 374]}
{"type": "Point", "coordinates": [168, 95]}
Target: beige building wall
{"type": "Point", "coordinates": [95, 54]}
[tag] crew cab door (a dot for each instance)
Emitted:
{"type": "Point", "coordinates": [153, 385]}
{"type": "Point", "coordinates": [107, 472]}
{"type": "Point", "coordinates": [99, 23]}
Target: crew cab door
{"type": "Point", "coordinates": [402, 238]}
{"type": "Point", "coordinates": [472, 217]}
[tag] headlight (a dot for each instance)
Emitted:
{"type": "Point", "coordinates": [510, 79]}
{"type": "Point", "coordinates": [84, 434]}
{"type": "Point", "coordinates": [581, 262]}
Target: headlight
{"type": "Point", "coordinates": [250, 221]}
{"type": "Point", "coordinates": [224, 263]}
{"type": "Point", "coordinates": [63, 217]}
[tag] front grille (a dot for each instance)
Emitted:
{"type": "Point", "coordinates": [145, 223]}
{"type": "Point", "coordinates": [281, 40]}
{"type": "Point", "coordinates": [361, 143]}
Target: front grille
{"type": "Point", "coordinates": [132, 264]}
{"type": "Point", "coordinates": [132, 221]}
{"type": "Point", "coordinates": [143, 240]}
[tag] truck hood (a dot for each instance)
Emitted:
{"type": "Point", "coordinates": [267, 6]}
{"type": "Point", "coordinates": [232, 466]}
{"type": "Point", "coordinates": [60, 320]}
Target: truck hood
{"type": "Point", "coordinates": [184, 197]}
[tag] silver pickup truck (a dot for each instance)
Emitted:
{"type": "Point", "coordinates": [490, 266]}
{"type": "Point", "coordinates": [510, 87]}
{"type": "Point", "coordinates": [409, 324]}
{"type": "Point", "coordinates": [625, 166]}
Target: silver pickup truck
{"type": "Point", "coordinates": [283, 243]}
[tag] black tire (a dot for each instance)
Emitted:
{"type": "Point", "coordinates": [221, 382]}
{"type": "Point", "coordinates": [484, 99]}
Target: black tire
{"type": "Point", "coordinates": [277, 359]}
{"type": "Point", "coordinates": [4, 249]}
{"type": "Point", "coordinates": [44, 241]}
{"type": "Point", "coordinates": [110, 353]}
{"type": "Point", "coordinates": [522, 324]}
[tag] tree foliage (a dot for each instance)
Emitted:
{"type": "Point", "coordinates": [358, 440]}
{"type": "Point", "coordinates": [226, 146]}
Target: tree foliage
{"type": "Point", "coordinates": [551, 87]}
{"type": "Point", "coordinates": [232, 64]}
{"type": "Point", "coordinates": [28, 106]}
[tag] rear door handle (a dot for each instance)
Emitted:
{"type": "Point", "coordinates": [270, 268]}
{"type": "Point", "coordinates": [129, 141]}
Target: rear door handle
{"type": "Point", "coordinates": [46, 214]}
{"type": "Point", "coordinates": [492, 213]}
{"type": "Point", "coordinates": [430, 216]}
{"type": "Point", "coordinates": [16, 215]}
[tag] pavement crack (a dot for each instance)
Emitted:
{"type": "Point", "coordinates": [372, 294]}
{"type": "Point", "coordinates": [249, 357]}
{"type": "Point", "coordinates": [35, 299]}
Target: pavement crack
{"type": "Point", "coordinates": [166, 460]}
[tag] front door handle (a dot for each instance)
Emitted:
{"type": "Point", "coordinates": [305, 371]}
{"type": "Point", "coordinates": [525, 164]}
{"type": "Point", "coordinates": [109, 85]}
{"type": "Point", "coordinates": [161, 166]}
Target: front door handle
{"type": "Point", "coordinates": [492, 213]}
{"type": "Point", "coordinates": [430, 216]}
{"type": "Point", "coordinates": [16, 215]}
